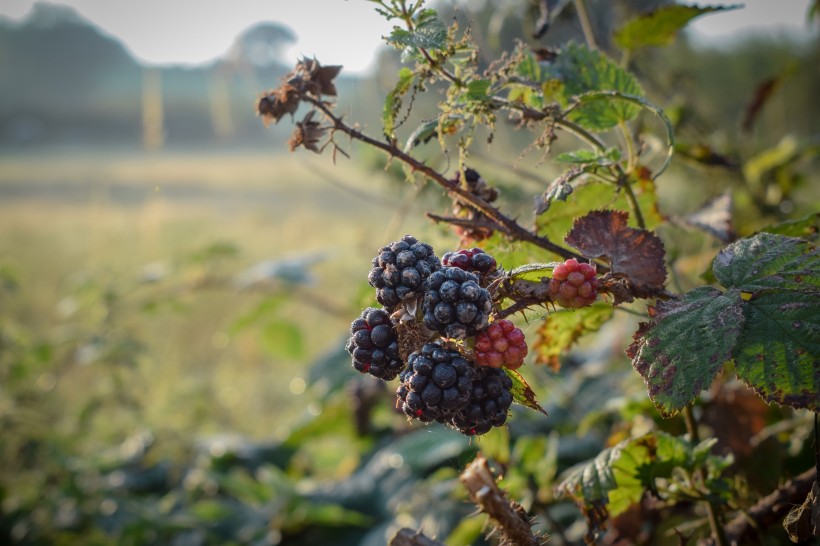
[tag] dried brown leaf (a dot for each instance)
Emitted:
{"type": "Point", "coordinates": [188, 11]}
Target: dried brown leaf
{"type": "Point", "coordinates": [307, 133]}
{"type": "Point", "coordinates": [275, 104]}
{"type": "Point", "coordinates": [636, 253]}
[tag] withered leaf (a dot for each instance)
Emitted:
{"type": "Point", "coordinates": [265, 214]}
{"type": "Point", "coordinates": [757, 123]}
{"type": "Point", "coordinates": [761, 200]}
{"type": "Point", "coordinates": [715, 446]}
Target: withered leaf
{"type": "Point", "coordinates": [318, 79]}
{"type": "Point", "coordinates": [278, 102]}
{"type": "Point", "coordinates": [636, 253]}
{"type": "Point", "coordinates": [522, 392]}
{"type": "Point", "coordinates": [307, 133]}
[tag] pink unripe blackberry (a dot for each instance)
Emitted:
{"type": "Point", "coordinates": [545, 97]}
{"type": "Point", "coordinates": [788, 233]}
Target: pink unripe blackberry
{"type": "Point", "coordinates": [501, 344]}
{"type": "Point", "coordinates": [573, 284]}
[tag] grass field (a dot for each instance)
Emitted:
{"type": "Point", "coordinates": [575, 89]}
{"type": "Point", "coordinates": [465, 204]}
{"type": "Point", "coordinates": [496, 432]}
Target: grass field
{"type": "Point", "coordinates": [124, 265]}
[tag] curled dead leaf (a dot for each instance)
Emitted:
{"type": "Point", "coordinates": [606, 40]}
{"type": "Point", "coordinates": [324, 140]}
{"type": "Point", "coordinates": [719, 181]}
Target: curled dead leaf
{"type": "Point", "coordinates": [307, 133]}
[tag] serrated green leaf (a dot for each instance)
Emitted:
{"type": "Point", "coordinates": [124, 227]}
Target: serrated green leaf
{"type": "Point", "coordinates": [681, 350]}
{"type": "Point", "coordinates": [659, 27]}
{"type": "Point", "coordinates": [582, 70]}
{"type": "Point", "coordinates": [392, 102]}
{"type": "Point", "coordinates": [617, 478]}
{"type": "Point", "coordinates": [778, 354]}
{"type": "Point", "coordinates": [564, 327]}
{"type": "Point", "coordinates": [477, 89]}
{"type": "Point", "coordinates": [522, 392]}
{"type": "Point", "coordinates": [529, 68]}
{"type": "Point", "coordinates": [768, 261]}
{"type": "Point", "coordinates": [430, 34]}
{"type": "Point", "coordinates": [585, 157]}
{"type": "Point", "coordinates": [592, 485]}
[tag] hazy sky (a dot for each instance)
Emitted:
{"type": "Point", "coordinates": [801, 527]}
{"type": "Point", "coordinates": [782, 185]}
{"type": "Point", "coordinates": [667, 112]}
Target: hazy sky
{"type": "Point", "coordinates": [343, 32]}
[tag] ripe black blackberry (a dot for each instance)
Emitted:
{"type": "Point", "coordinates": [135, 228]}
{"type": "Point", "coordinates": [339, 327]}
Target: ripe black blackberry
{"type": "Point", "coordinates": [474, 260]}
{"type": "Point", "coordinates": [489, 403]}
{"type": "Point", "coordinates": [374, 346]}
{"type": "Point", "coordinates": [400, 269]}
{"type": "Point", "coordinates": [436, 383]}
{"type": "Point", "coordinates": [454, 303]}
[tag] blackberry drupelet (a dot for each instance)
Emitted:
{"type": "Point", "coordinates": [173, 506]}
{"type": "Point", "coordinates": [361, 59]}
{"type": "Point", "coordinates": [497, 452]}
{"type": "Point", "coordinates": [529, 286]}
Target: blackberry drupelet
{"type": "Point", "coordinates": [454, 303]}
{"type": "Point", "coordinates": [436, 384]}
{"type": "Point", "coordinates": [374, 346]}
{"type": "Point", "coordinates": [400, 269]}
{"type": "Point", "coordinates": [489, 403]}
{"type": "Point", "coordinates": [474, 260]}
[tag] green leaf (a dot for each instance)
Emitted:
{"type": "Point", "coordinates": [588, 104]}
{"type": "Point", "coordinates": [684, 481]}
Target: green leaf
{"type": "Point", "coordinates": [806, 228]}
{"type": "Point", "coordinates": [767, 261]}
{"type": "Point", "coordinates": [477, 89]}
{"type": "Point", "coordinates": [582, 71]}
{"type": "Point", "coordinates": [659, 27]}
{"type": "Point", "coordinates": [768, 321]}
{"type": "Point", "coordinates": [779, 349]}
{"type": "Point", "coordinates": [564, 327]}
{"type": "Point", "coordinates": [588, 157]}
{"type": "Point", "coordinates": [429, 34]}
{"type": "Point", "coordinates": [392, 103]}
{"type": "Point", "coordinates": [617, 478]}
{"type": "Point", "coordinates": [529, 68]}
{"type": "Point", "coordinates": [522, 392]}
{"type": "Point", "coordinates": [687, 342]}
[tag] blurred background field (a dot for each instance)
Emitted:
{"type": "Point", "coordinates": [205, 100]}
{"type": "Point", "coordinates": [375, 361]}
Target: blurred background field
{"type": "Point", "coordinates": [172, 278]}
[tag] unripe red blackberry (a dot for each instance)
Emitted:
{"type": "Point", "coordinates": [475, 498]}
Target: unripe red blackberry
{"type": "Point", "coordinates": [374, 346]}
{"type": "Point", "coordinates": [501, 344]}
{"type": "Point", "coordinates": [437, 383]}
{"type": "Point", "coordinates": [489, 403]}
{"type": "Point", "coordinates": [454, 303]}
{"type": "Point", "coordinates": [573, 284]}
{"type": "Point", "coordinates": [400, 269]}
{"type": "Point", "coordinates": [474, 260]}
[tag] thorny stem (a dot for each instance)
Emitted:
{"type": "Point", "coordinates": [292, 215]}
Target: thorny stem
{"type": "Point", "coordinates": [510, 227]}
{"type": "Point", "coordinates": [718, 533]}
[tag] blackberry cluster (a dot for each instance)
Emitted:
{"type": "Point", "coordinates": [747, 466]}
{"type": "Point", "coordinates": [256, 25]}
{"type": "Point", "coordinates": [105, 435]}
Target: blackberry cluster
{"type": "Point", "coordinates": [374, 346]}
{"type": "Point", "coordinates": [437, 383]}
{"type": "Point", "coordinates": [573, 284]}
{"type": "Point", "coordinates": [474, 260]}
{"type": "Point", "coordinates": [455, 304]}
{"type": "Point", "coordinates": [489, 403]}
{"type": "Point", "coordinates": [400, 269]}
{"type": "Point", "coordinates": [501, 344]}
